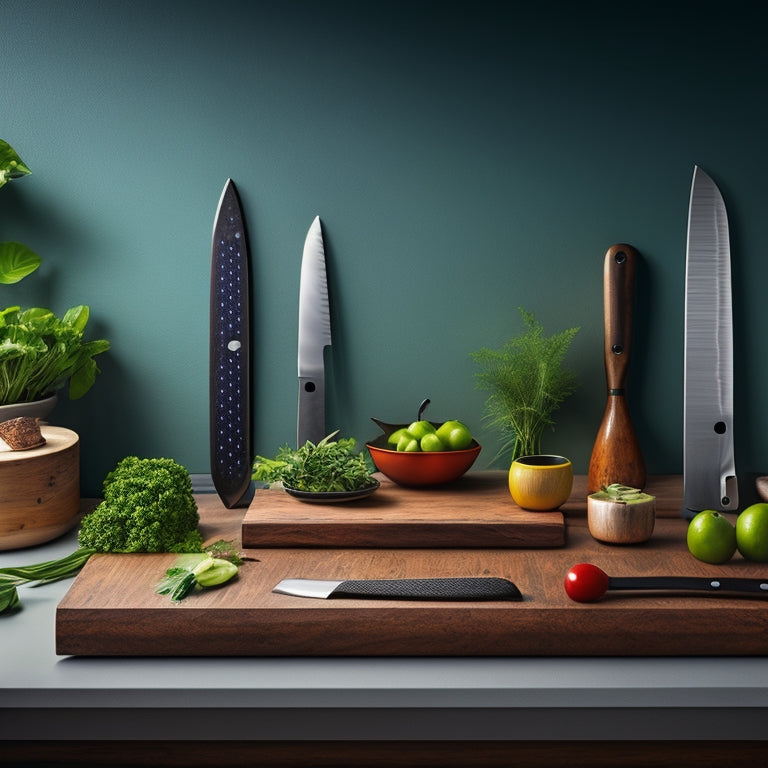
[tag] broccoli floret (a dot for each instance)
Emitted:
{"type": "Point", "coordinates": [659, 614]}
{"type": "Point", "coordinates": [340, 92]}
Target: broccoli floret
{"type": "Point", "coordinates": [147, 506]}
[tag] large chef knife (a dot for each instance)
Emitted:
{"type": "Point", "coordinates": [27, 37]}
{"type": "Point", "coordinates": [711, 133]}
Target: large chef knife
{"type": "Point", "coordinates": [229, 394]}
{"type": "Point", "coordinates": [455, 589]}
{"type": "Point", "coordinates": [314, 337]}
{"type": "Point", "coordinates": [709, 471]}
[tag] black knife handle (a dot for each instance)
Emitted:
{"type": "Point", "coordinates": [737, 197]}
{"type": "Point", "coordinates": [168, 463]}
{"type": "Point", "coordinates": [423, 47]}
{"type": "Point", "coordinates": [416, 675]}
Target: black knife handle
{"type": "Point", "coordinates": [687, 583]}
{"type": "Point", "coordinates": [454, 589]}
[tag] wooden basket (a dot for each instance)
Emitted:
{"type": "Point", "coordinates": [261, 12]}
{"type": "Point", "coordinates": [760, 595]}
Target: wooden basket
{"type": "Point", "coordinates": [39, 490]}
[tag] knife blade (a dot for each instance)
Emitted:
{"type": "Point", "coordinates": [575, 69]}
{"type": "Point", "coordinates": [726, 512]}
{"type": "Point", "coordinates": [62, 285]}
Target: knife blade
{"type": "Point", "coordinates": [229, 365]}
{"type": "Point", "coordinates": [449, 589]}
{"type": "Point", "coordinates": [314, 337]}
{"type": "Point", "coordinates": [709, 470]}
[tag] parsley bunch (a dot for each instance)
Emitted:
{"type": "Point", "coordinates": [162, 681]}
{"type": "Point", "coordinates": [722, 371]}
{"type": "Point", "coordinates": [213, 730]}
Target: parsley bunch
{"type": "Point", "coordinates": [329, 466]}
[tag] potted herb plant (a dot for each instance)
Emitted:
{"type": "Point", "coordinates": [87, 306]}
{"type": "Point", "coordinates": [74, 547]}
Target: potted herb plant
{"type": "Point", "coordinates": [528, 382]}
{"type": "Point", "coordinates": [16, 260]}
{"type": "Point", "coordinates": [40, 353]}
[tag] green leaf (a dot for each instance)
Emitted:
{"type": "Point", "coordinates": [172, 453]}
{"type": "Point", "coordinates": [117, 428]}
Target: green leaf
{"type": "Point", "coordinates": [77, 317]}
{"type": "Point", "coordinates": [16, 262]}
{"type": "Point", "coordinates": [9, 597]}
{"type": "Point", "coordinates": [11, 165]}
{"type": "Point", "coordinates": [83, 379]}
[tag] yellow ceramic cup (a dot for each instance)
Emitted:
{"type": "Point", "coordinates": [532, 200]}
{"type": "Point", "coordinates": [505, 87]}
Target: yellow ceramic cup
{"type": "Point", "coordinates": [540, 483]}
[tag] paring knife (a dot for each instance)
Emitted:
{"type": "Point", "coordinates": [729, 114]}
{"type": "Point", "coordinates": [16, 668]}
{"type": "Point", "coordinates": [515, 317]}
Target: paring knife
{"type": "Point", "coordinates": [314, 337]}
{"type": "Point", "coordinates": [451, 589]}
{"type": "Point", "coordinates": [709, 471]}
{"type": "Point", "coordinates": [229, 387]}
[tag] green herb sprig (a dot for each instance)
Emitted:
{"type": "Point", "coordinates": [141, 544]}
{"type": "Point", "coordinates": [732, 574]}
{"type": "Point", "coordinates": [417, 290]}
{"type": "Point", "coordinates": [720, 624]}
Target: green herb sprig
{"type": "Point", "coordinates": [528, 382]}
{"type": "Point", "coordinates": [196, 572]}
{"type": "Point", "coordinates": [35, 575]}
{"type": "Point", "coordinates": [331, 465]}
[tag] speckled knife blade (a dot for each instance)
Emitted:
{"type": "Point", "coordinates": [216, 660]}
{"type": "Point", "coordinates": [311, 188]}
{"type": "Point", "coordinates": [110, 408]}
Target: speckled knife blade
{"type": "Point", "coordinates": [230, 387]}
{"type": "Point", "coordinates": [709, 471]}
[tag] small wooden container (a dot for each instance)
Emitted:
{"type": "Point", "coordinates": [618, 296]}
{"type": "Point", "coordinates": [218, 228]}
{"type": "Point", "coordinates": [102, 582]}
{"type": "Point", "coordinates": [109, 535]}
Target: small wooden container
{"type": "Point", "coordinates": [621, 522]}
{"type": "Point", "coordinates": [39, 490]}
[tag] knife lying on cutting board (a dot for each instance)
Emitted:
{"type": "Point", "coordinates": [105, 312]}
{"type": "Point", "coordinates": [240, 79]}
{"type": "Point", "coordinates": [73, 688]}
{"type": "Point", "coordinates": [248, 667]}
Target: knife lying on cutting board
{"type": "Point", "coordinates": [449, 589]}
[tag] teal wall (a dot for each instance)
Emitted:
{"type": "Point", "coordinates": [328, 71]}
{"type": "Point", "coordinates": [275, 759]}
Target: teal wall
{"type": "Point", "coordinates": [466, 158]}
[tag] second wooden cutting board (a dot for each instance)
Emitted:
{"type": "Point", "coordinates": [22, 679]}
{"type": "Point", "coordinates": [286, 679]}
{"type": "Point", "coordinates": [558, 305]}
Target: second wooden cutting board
{"type": "Point", "coordinates": [475, 511]}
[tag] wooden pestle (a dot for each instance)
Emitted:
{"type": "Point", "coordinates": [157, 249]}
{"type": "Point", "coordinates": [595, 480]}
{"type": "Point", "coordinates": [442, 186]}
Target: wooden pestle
{"type": "Point", "coordinates": [616, 455]}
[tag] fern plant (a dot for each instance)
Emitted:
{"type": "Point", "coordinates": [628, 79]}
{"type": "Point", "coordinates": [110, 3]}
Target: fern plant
{"type": "Point", "coordinates": [528, 382]}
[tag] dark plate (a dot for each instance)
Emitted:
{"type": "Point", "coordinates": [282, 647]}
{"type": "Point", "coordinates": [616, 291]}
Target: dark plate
{"type": "Point", "coordinates": [333, 497]}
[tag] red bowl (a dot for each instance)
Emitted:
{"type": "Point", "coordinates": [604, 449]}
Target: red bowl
{"type": "Point", "coordinates": [421, 468]}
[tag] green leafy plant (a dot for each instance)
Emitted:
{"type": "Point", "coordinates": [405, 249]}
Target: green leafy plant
{"type": "Point", "coordinates": [40, 353]}
{"type": "Point", "coordinates": [528, 382]}
{"type": "Point", "coordinates": [16, 260]}
{"type": "Point", "coordinates": [331, 465]}
{"type": "Point", "coordinates": [147, 506]}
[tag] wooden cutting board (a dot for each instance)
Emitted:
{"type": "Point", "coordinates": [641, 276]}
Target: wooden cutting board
{"type": "Point", "coordinates": [475, 511]}
{"type": "Point", "coordinates": [111, 608]}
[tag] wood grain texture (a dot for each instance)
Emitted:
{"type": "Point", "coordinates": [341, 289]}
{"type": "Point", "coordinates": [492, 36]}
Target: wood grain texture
{"type": "Point", "coordinates": [616, 454]}
{"type": "Point", "coordinates": [111, 608]}
{"type": "Point", "coordinates": [475, 511]}
{"type": "Point", "coordinates": [385, 754]}
{"type": "Point", "coordinates": [40, 490]}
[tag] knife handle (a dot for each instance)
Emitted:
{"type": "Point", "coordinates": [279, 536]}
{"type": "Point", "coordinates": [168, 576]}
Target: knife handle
{"type": "Point", "coordinates": [480, 588]}
{"type": "Point", "coordinates": [618, 291]}
{"type": "Point", "coordinates": [685, 583]}
{"type": "Point", "coordinates": [311, 421]}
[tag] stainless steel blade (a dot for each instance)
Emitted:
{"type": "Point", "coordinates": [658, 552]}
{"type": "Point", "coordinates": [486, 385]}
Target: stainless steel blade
{"type": "Point", "coordinates": [319, 588]}
{"type": "Point", "coordinates": [314, 337]}
{"type": "Point", "coordinates": [709, 470]}
{"type": "Point", "coordinates": [230, 409]}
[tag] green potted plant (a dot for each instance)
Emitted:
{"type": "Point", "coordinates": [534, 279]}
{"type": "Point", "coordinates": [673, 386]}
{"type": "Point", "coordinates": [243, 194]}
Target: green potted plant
{"type": "Point", "coordinates": [16, 260]}
{"type": "Point", "coordinates": [528, 382]}
{"type": "Point", "coordinates": [39, 352]}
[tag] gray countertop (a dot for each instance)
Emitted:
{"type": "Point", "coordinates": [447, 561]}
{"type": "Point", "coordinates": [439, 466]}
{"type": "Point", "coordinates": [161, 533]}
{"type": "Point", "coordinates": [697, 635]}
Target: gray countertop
{"type": "Point", "coordinates": [361, 698]}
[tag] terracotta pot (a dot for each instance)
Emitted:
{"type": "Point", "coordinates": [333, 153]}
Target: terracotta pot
{"type": "Point", "coordinates": [540, 483]}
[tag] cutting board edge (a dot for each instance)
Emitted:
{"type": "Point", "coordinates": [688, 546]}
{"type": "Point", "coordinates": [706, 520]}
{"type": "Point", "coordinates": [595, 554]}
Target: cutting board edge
{"type": "Point", "coordinates": [431, 629]}
{"type": "Point", "coordinates": [412, 535]}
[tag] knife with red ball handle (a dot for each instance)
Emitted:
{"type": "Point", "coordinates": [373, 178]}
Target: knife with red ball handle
{"type": "Point", "coordinates": [586, 583]}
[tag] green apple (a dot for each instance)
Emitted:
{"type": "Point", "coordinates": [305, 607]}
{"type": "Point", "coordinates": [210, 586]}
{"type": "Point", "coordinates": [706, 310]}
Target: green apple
{"type": "Point", "coordinates": [752, 533]}
{"type": "Point", "coordinates": [420, 428]}
{"type": "Point", "coordinates": [431, 442]}
{"type": "Point", "coordinates": [711, 537]}
{"type": "Point", "coordinates": [455, 435]}
{"type": "Point", "coordinates": [408, 442]}
{"type": "Point", "coordinates": [394, 437]}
